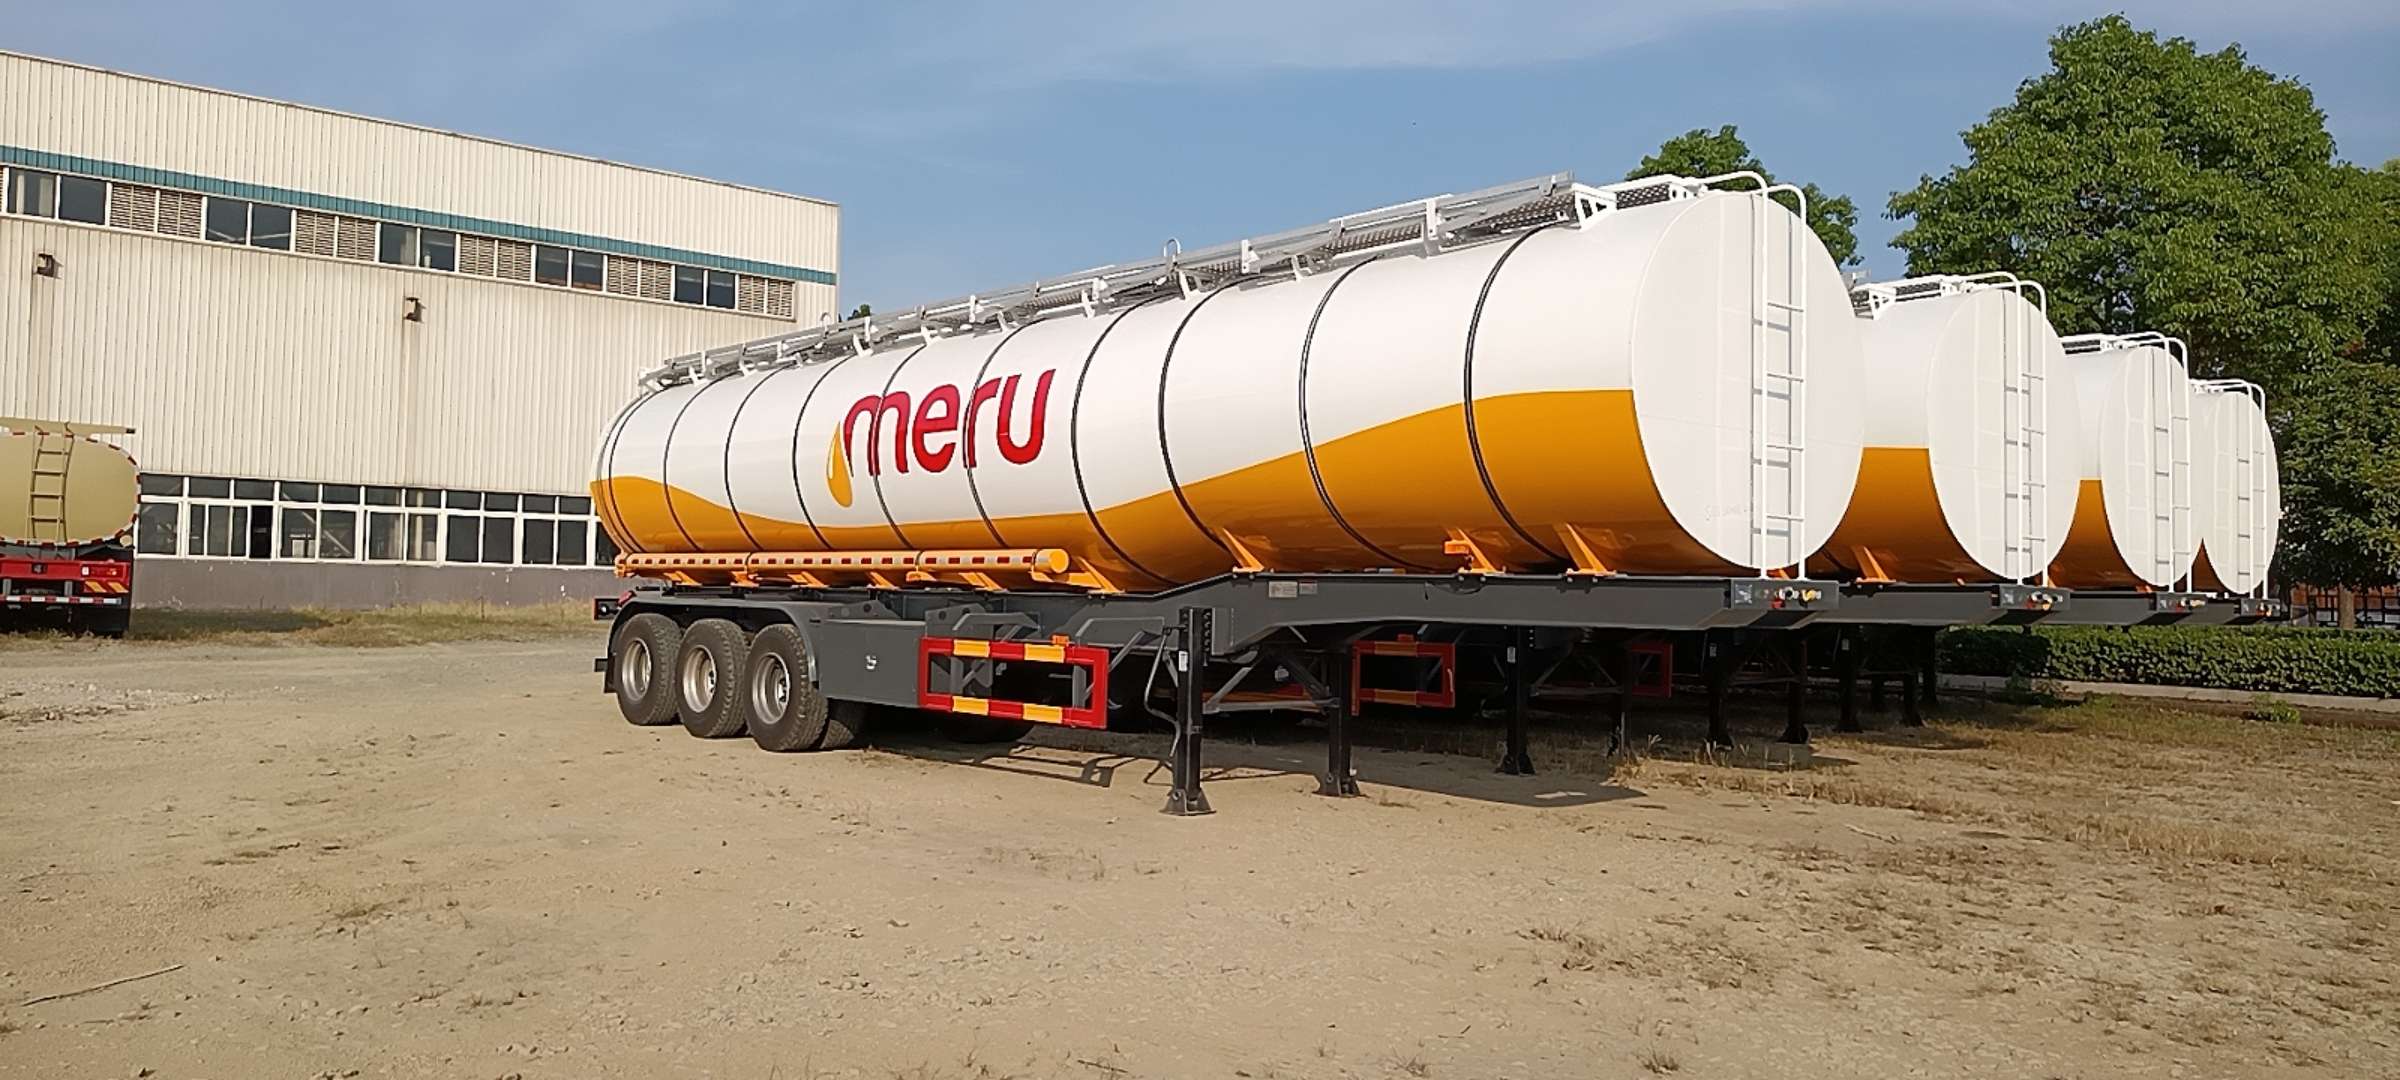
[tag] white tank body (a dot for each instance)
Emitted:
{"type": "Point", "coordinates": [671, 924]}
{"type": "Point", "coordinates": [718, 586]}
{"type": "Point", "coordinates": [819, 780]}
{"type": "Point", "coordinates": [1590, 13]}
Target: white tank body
{"type": "Point", "coordinates": [2239, 485]}
{"type": "Point", "coordinates": [1971, 434]}
{"type": "Point", "coordinates": [2134, 522]}
{"type": "Point", "coordinates": [1590, 389]}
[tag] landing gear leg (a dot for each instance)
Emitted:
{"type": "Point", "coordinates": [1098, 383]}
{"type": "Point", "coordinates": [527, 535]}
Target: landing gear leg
{"type": "Point", "coordinates": [1340, 780]}
{"type": "Point", "coordinates": [1849, 652]}
{"type": "Point", "coordinates": [1795, 700]}
{"type": "Point", "coordinates": [1623, 706]}
{"type": "Point", "coordinates": [1516, 760]}
{"type": "Point", "coordinates": [1718, 664]}
{"type": "Point", "coordinates": [1185, 799]}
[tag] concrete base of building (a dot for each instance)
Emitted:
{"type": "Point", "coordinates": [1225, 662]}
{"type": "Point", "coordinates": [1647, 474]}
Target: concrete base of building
{"type": "Point", "coordinates": [241, 583]}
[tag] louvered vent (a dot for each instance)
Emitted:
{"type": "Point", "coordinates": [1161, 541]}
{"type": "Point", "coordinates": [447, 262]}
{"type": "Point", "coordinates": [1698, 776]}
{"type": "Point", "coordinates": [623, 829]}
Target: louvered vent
{"type": "Point", "coordinates": [478, 255]}
{"type": "Point", "coordinates": [749, 294]}
{"type": "Point", "coordinates": [314, 233]}
{"type": "Point", "coordinates": [355, 239]}
{"type": "Point", "coordinates": [131, 207]}
{"type": "Point", "coordinates": [779, 298]}
{"type": "Point", "coordinates": [624, 275]}
{"type": "Point", "coordinates": [515, 261]}
{"type": "Point", "coordinates": [179, 213]}
{"type": "Point", "coordinates": [658, 280]}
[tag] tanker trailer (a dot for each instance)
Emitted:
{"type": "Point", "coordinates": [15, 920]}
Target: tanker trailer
{"type": "Point", "coordinates": [1659, 377]}
{"type": "Point", "coordinates": [2239, 484]}
{"type": "Point", "coordinates": [67, 504]}
{"type": "Point", "coordinates": [1969, 472]}
{"type": "Point", "coordinates": [2134, 524]}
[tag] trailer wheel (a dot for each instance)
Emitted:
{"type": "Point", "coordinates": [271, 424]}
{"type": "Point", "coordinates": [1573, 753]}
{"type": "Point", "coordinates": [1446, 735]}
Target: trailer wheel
{"type": "Point", "coordinates": [708, 678]}
{"type": "Point", "coordinates": [780, 700]}
{"type": "Point", "coordinates": [641, 656]}
{"type": "Point", "coordinates": [845, 725]}
{"type": "Point", "coordinates": [969, 728]}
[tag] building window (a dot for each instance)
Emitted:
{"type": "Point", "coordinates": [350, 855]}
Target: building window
{"type": "Point", "coordinates": [499, 540]}
{"type": "Point", "coordinates": [466, 539]}
{"type": "Point", "coordinates": [32, 193]}
{"type": "Point", "coordinates": [541, 538]}
{"type": "Point", "coordinates": [299, 534]}
{"type": "Point", "coordinates": [262, 490]}
{"type": "Point", "coordinates": [571, 547]}
{"type": "Point", "coordinates": [691, 284]}
{"type": "Point", "coordinates": [155, 535]}
{"type": "Point", "coordinates": [550, 265]}
{"type": "Point", "coordinates": [604, 550]}
{"type": "Point", "coordinates": [396, 244]}
{"type": "Point", "coordinates": [437, 249]}
{"type": "Point", "coordinates": [720, 289]}
{"type": "Point", "coordinates": [227, 221]}
{"type": "Point", "coordinates": [588, 270]}
{"type": "Point", "coordinates": [82, 199]}
{"type": "Point", "coordinates": [218, 530]}
{"type": "Point", "coordinates": [161, 484]}
{"type": "Point", "coordinates": [271, 226]}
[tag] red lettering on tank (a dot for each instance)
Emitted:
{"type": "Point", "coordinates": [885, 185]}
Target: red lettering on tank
{"type": "Point", "coordinates": [930, 423]}
{"type": "Point", "coordinates": [874, 406]}
{"type": "Point", "coordinates": [938, 432]}
{"type": "Point", "coordinates": [1022, 452]}
{"type": "Point", "coordinates": [986, 390]}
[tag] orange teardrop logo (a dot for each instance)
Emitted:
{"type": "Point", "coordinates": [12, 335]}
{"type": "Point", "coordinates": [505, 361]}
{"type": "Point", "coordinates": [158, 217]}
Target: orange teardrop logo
{"type": "Point", "coordinates": [837, 470]}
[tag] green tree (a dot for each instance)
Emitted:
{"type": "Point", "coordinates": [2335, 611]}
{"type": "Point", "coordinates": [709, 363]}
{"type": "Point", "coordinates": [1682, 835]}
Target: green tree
{"type": "Point", "coordinates": [861, 311]}
{"type": "Point", "coordinates": [2151, 186]}
{"type": "Point", "coordinates": [1701, 152]}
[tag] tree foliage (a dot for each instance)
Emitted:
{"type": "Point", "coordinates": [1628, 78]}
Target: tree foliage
{"type": "Point", "coordinates": [1701, 152]}
{"type": "Point", "coordinates": [2151, 186]}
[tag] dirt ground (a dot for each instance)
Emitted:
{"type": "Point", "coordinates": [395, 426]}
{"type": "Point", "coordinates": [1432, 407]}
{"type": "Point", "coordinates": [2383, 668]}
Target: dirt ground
{"type": "Point", "coordinates": [454, 860]}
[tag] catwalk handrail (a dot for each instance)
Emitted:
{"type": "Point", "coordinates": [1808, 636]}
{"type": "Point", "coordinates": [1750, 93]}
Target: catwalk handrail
{"type": "Point", "coordinates": [1432, 224]}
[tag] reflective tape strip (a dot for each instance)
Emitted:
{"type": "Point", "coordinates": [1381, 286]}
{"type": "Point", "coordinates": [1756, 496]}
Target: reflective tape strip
{"type": "Point", "coordinates": [47, 598]}
{"type": "Point", "coordinates": [970, 647]}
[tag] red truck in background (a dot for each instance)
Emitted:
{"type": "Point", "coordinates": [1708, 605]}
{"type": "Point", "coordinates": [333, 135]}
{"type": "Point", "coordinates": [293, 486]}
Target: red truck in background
{"type": "Point", "coordinates": [67, 504]}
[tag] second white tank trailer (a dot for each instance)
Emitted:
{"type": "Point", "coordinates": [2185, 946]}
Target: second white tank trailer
{"type": "Point", "coordinates": [1537, 420]}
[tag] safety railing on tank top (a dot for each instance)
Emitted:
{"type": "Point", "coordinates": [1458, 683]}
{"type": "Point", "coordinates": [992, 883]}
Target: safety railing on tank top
{"type": "Point", "coordinates": [1432, 225]}
{"type": "Point", "coordinates": [2028, 399]}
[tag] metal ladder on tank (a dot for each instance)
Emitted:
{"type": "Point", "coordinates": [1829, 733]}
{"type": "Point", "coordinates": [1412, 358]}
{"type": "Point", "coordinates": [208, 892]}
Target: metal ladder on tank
{"type": "Point", "coordinates": [2029, 441]}
{"type": "Point", "coordinates": [1793, 378]}
{"type": "Point", "coordinates": [46, 489]}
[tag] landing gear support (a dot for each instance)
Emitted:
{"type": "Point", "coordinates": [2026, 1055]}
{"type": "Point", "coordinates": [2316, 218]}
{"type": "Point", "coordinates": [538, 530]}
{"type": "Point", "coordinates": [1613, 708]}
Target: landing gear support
{"type": "Point", "coordinates": [1848, 654]}
{"type": "Point", "coordinates": [1795, 695]}
{"type": "Point", "coordinates": [1184, 798]}
{"type": "Point", "coordinates": [1515, 759]}
{"type": "Point", "coordinates": [1339, 780]}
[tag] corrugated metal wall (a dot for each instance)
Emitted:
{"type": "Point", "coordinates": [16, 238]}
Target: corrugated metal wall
{"type": "Point", "coordinates": [243, 362]}
{"type": "Point", "coordinates": [66, 109]}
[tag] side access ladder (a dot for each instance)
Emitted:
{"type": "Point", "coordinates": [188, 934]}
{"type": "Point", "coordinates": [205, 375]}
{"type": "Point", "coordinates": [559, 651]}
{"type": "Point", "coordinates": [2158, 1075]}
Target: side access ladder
{"type": "Point", "coordinates": [46, 490]}
{"type": "Point", "coordinates": [1781, 378]}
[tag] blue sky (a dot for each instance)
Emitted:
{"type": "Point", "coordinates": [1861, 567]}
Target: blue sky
{"type": "Point", "coordinates": [977, 145]}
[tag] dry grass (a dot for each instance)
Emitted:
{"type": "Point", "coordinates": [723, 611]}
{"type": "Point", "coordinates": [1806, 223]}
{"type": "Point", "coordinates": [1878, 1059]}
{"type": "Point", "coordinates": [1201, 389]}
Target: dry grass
{"type": "Point", "coordinates": [1658, 1060]}
{"type": "Point", "coordinates": [416, 624]}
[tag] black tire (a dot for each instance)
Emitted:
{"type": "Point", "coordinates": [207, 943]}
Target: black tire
{"type": "Point", "coordinates": [643, 658]}
{"type": "Point", "coordinates": [708, 678]}
{"type": "Point", "coordinates": [779, 699]}
{"type": "Point", "coordinates": [845, 725]}
{"type": "Point", "coordinates": [969, 728]}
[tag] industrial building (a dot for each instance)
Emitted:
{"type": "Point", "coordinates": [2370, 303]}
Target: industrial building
{"type": "Point", "coordinates": [365, 361]}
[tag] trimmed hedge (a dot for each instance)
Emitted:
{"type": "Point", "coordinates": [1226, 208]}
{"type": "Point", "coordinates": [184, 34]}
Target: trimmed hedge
{"type": "Point", "coordinates": [2289, 659]}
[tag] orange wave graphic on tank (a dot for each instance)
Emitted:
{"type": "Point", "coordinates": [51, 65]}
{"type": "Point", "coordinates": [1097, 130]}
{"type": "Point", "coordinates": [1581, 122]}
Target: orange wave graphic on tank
{"type": "Point", "coordinates": [837, 469]}
{"type": "Point", "coordinates": [1559, 457]}
{"type": "Point", "coordinates": [1896, 523]}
